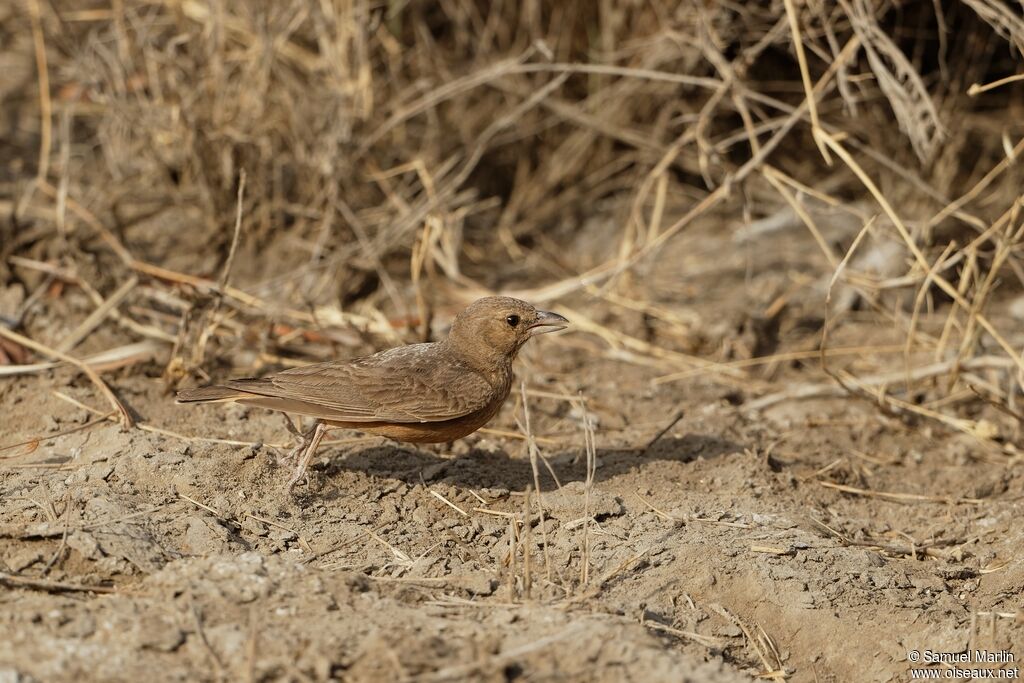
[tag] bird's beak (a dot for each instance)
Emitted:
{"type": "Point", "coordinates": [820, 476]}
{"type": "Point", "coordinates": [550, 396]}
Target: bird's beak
{"type": "Point", "coordinates": [547, 322]}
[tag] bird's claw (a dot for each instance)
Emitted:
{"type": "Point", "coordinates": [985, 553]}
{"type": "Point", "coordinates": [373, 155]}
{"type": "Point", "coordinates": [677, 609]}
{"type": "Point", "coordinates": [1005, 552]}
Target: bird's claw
{"type": "Point", "coordinates": [292, 456]}
{"type": "Point", "coordinates": [300, 474]}
{"type": "Point", "coordinates": [302, 454]}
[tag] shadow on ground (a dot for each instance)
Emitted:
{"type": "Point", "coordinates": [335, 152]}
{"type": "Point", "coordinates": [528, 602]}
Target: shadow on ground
{"type": "Point", "coordinates": [497, 469]}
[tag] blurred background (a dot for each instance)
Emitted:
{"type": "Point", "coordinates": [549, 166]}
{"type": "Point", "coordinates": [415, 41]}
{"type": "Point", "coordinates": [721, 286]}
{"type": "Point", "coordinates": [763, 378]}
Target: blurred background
{"type": "Point", "coordinates": [661, 162]}
{"type": "Point", "coordinates": [788, 234]}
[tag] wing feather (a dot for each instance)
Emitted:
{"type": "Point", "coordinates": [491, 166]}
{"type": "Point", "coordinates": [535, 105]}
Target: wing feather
{"type": "Point", "coordinates": [409, 384]}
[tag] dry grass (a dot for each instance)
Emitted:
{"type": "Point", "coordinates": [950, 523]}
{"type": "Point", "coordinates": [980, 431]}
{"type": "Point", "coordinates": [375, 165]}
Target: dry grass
{"type": "Point", "coordinates": [391, 156]}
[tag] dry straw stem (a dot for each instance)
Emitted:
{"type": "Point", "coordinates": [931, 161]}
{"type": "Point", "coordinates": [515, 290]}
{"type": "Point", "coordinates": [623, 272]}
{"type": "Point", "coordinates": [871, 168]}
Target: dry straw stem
{"type": "Point", "coordinates": [527, 543]}
{"type": "Point", "coordinates": [618, 339]}
{"type": "Point", "coordinates": [12, 581]}
{"type": "Point", "coordinates": [591, 452]}
{"type": "Point", "coordinates": [225, 273]}
{"type": "Point", "coordinates": [885, 379]}
{"type": "Point", "coordinates": [977, 88]}
{"type": "Point", "coordinates": [980, 186]}
{"type": "Point", "coordinates": [104, 361]}
{"type": "Point", "coordinates": [184, 437]}
{"type": "Point", "coordinates": [35, 442]}
{"type": "Point", "coordinates": [709, 642]}
{"type": "Point", "coordinates": [1004, 247]}
{"type": "Point", "coordinates": [919, 300]}
{"type": "Point", "coordinates": [805, 76]}
{"type": "Point", "coordinates": [774, 177]}
{"type": "Point", "coordinates": [913, 549]}
{"type": "Point", "coordinates": [450, 504]}
{"type": "Point", "coordinates": [86, 327]}
{"type": "Point", "coordinates": [1006, 22]}
{"type": "Point", "coordinates": [615, 267]}
{"type": "Point", "coordinates": [126, 418]}
{"type": "Point", "coordinates": [535, 455]}
{"type": "Point", "coordinates": [97, 299]}
{"type": "Point", "coordinates": [898, 80]}
{"type": "Point", "coordinates": [762, 644]}
{"type": "Point", "coordinates": [45, 105]}
{"type": "Point", "coordinates": [212, 316]}
{"type": "Point", "coordinates": [919, 256]}
{"type": "Point", "coordinates": [783, 357]}
{"type": "Point", "coordinates": [900, 497]}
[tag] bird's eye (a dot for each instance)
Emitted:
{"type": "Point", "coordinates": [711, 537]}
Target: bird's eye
{"type": "Point", "coordinates": [512, 320]}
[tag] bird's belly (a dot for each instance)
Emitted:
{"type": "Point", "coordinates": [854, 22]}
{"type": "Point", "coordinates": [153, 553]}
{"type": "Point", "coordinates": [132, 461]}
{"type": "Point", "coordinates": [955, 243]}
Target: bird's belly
{"type": "Point", "coordinates": [425, 432]}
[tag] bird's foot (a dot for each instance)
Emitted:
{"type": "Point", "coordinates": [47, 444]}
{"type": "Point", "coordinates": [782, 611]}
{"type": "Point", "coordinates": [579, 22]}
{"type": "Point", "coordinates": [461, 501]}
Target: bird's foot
{"type": "Point", "coordinates": [290, 458]}
{"type": "Point", "coordinates": [300, 474]}
{"type": "Point", "coordinates": [308, 450]}
{"type": "Point", "coordinates": [302, 439]}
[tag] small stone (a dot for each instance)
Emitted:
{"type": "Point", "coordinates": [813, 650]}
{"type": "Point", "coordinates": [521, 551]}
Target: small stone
{"type": "Point", "coordinates": [927, 582]}
{"type": "Point", "coordinates": [169, 458]}
{"type": "Point", "coordinates": [100, 471]}
{"type": "Point", "coordinates": [729, 631]}
{"type": "Point", "coordinates": [480, 584]}
{"type": "Point", "coordinates": [159, 632]}
{"type": "Point", "coordinates": [804, 601]}
{"type": "Point", "coordinates": [254, 526]}
{"type": "Point", "coordinates": [431, 472]}
{"type": "Point", "coordinates": [389, 514]}
{"type": "Point", "coordinates": [283, 535]}
{"type": "Point", "coordinates": [204, 536]}
{"type": "Point", "coordinates": [449, 522]}
{"type": "Point", "coordinates": [85, 544]}
{"type": "Point", "coordinates": [424, 516]}
{"type": "Point", "coordinates": [23, 559]}
{"type": "Point", "coordinates": [874, 559]}
{"type": "Point", "coordinates": [77, 477]}
{"type": "Point", "coordinates": [567, 503]}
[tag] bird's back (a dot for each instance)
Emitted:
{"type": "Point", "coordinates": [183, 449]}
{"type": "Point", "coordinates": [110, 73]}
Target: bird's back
{"type": "Point", "coordinates": [418, 383]}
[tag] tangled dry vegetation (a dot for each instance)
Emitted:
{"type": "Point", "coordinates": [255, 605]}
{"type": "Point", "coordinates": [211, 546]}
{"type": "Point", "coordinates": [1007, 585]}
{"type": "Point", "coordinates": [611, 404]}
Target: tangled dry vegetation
{"type": "Point", "coordinates": [194, 189]}
{"type": "Point", "coordinates": [376, 148]}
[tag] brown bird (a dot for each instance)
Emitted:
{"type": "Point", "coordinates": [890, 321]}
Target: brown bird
{"type": "Point", "coordinates": [421, 393]}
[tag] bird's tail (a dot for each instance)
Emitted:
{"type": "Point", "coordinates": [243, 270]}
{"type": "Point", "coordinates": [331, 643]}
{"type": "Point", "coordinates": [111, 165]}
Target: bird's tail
{"type": "Point", "coordinates": [208, 394]}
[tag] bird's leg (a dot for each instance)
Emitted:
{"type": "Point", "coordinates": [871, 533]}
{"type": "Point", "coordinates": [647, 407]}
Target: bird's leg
{"type": "Point", "coordinates": [314, 442]}
{"type": "Point", "coordinates": [290, 426]}
{"type": "Point", "coordinates": [292, 456]}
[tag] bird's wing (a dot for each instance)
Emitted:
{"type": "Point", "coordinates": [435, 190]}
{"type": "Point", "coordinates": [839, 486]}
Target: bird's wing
{"type": "Point", "coordinates": [415, 383]}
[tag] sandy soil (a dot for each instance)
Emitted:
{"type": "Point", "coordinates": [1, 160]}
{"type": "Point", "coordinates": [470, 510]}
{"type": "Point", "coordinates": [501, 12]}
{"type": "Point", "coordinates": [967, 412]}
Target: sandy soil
{"type": "Point", "coordinates": [721, 551]}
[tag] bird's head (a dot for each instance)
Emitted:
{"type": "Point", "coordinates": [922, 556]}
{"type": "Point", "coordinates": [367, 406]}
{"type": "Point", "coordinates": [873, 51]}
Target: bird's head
{"type": "Point", "coordinates": [493, 329]}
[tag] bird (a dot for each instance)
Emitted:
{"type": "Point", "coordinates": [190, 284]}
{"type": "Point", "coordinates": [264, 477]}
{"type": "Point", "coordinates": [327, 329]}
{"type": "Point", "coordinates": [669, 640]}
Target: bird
{"type": "Point", "coordinates": [432, 392]}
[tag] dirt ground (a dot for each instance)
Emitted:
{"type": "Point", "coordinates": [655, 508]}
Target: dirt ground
{"type": "Point", "coordinates": [719, 545]}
